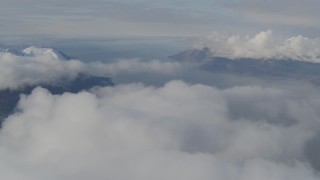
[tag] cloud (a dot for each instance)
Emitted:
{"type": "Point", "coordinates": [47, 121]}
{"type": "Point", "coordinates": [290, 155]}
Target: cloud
{"type": "Point", "coordinates": [48, 66]}
{"type": "Point", "coordinates": [145, 18]}
{"type": "Point", "coordinates": [112, 18]}
{"type": "Point", "coordinates": [177, 131]}
{"type": "Point", "coordinates": [264, 45]}
{"type": "Point", "coordinates": [18, 71]}
{"type": "Point", "coordinates": [133, 66]}
{"type": "Point", "coordinates": [285, 12]}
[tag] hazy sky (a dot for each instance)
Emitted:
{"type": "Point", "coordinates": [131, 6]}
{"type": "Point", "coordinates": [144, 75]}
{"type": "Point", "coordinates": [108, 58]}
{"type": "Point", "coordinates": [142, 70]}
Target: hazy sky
{"type": "Point", "coordinates": [157, 18]}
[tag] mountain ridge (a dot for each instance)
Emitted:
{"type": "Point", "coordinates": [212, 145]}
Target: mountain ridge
{"type": "Point", "coordinates": [283, 68]}
{"type": "Point", "coordinates": [34, 51]}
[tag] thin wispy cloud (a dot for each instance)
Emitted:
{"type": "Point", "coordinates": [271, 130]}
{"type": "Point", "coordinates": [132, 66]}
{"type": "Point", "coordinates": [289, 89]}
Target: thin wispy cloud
{"type": "Point", "coordinates": [175, 18]}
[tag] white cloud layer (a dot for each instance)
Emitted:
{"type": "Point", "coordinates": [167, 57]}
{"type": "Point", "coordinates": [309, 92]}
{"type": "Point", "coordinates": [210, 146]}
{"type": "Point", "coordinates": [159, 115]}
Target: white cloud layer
{"type": "Point", "coordinates": [178, 131]}
{"type": "Point", "coordinates": [172, 131]}
{"type": "Point", "coordinates": [34, 66]}
{"type": "Point", "coordinates": [264, 45]}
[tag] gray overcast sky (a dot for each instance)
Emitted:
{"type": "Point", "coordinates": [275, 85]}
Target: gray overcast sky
{"type": "Point", "coordinates": [95, 18]}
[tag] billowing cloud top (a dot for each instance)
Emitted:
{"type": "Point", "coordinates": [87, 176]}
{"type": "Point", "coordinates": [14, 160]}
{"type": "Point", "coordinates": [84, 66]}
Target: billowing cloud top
{"type": "Point", "coordinates": [264, 45]}
{"type": "Point", "coordinates": [178, 130]}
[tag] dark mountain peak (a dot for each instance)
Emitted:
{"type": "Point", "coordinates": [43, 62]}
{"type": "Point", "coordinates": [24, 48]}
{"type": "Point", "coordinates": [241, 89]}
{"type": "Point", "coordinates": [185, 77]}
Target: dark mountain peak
{"type": "Point", "coordinates": [193, 55]}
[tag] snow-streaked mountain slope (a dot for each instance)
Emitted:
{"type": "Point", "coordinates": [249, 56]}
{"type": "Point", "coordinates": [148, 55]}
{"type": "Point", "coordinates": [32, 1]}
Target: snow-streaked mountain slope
{"type": "Point", "coordinates": [51, 52]}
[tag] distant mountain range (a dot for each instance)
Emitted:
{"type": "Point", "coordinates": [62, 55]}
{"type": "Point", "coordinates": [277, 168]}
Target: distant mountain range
{"type": "Point", "coordinates": [34, 51]}
{"type": "Point", "coordinates": [285, 68]}
{"type": "Point", "coordinates": [9, 98]}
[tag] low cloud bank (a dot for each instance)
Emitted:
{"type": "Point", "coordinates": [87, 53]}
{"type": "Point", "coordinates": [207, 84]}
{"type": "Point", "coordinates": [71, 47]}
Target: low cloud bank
{"type": "Point", "coordinates": [178, 131]}
{"type": "Point", "coordinates": [34, 66]}
{"type": "Point", "coordinates": [264, 45]}
{"type": "Point", "coordinates": [238, 128]}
